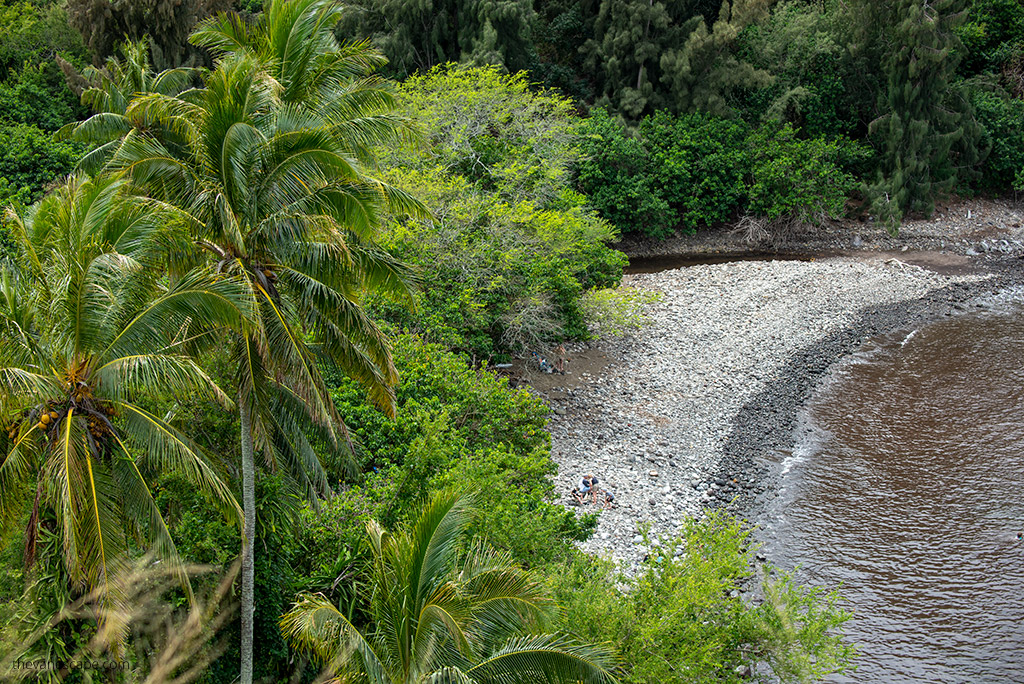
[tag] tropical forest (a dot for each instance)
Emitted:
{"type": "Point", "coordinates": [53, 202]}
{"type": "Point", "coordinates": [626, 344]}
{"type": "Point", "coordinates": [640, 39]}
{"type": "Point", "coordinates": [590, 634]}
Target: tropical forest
{"type": "Point", "coordinates": [511, 341]}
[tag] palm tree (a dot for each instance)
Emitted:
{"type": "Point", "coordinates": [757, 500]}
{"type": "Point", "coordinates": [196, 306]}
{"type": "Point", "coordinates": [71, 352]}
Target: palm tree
{"type": "Point", "coordinates": [107, 91]}
{"type": "Point", "coordinates": [93, 336]}
{"type": "Point", "coordinates": [439, 616]}
{"type": "Point", "coordinates": [274, 186]}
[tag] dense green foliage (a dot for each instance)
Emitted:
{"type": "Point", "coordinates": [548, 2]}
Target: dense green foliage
{"type": "Point", "coordinates": [455, 425]}
{"type": "Point", "coordinates": [383, 245]}
{"type": "Point", "coordinates": [684, 618]}
{"type": "Point", "coordinates": [34, 100]}
{"type": "Point", "coordinates": [683, 173]}
{"type": "Point", "coordinates": [1002, 119]}
{"type": "Point", "coordinates": [993, 42]}
{"type": "Point", "coordinates": [417, 36]}
{"type": "Point", "coordinates": [509, 249]}
{"type": "Point", "coordinates": [923, 116]}
{"type": "Point", "coordinates": [818, 84]}
{"type": "Point", "coordinates": [31, 162]}
{"type": "Point", "coordinates": [442, 612]}
{"type": "Point", "coordinates": [833, 70]}
{"type": "Point", "coordinates": [802, 180]}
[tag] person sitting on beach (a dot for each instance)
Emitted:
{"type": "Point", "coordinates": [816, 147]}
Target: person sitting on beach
{"type": "Point", "coordinates": [578, 496]}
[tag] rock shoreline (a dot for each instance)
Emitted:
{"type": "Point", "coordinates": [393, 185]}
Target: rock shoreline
{"type": "Point", "coordinates": [967, 227]}
{"type": "Point", "coordinates": [690, 411]}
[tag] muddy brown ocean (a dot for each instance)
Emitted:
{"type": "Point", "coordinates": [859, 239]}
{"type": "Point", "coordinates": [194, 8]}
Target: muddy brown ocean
{"type": "Point", "coordinates": [909, 491]}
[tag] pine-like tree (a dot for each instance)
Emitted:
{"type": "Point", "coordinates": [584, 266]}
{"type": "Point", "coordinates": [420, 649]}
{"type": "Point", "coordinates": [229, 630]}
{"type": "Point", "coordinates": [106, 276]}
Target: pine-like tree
{"type": "Point", "coordinates": [922, 116]}
{"type": "Point", "coordinates": [701, 72]}
{"type": "Point", "coordinates": [416, 36]}
{"type": "Point", "coordinates": [662, 54]}
{"type": "Point", "coordinates": [630, 37]}
{"type": "Point", "coordinates": [166, 24]}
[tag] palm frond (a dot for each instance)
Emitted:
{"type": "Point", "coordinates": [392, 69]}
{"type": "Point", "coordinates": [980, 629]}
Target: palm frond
{"type": "Point", "coordinates": [126, 376]}
{"type": "Point", "coordinates": [166, 449]}
{"type": "Point", "coordinates": [434, 538]}
{"type": "Point", "coordinates": [546, 659]}
{"type": "Point", "coordinates": [448, 675]}
{"type": "Point", "coordinates": [198, 300]}
{"type": "Point", "coordinates": [16, 470]}
{"type": "Point", "coordinates": [222, 33]}
{"type": "Point", "coordinates": [506, 599]}
{"type": "Point", "coordinates": [289, 353]}
{"type": "Point", "coordinates": [140, 509]}
{"type": "Point", "coordinates": [316, 627]}
{"type": "Point", "coordinates": [301, 443]}
{"type": "Point", "coordinates": [20, 388]}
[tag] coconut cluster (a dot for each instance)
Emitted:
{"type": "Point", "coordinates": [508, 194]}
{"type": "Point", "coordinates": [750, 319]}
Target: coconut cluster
{"type": "Point", "coordinates": [80, 401]}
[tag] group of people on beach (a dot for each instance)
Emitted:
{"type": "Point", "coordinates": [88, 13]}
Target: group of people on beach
{"type": "Point", "coordinates": [588, 487]}
{"type": "Point", "coordinates": [560, 360]}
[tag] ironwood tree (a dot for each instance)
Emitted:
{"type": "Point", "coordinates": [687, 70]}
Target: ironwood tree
{"type": "Point", "coordinates": [665, 55]}
{"type": "Point", "coordinates": [924, 121]}
{"type": "Point", "coordinates": [167, 23]}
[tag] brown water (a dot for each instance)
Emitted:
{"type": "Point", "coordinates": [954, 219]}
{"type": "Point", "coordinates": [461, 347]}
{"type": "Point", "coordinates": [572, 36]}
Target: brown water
{"type": "Point", "coordinates": [907, 487]}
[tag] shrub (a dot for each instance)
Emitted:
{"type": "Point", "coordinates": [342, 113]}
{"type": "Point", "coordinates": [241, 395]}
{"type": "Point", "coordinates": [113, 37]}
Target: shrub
{"type": "Point", "coordinates": [492, 129]}
{"type": "Point", "coordinates": [614, 312]}
{"type": "Point", "coordinates": [38, 95]}
{"type": "Point", "coordinates": [683, 172]}
{"type": "Point", "coordinates": [799, 181]}
{"type": "Point", "coordinates": [30, 161]}
{"type": "Point", "coordinates": [33, 33]}
{"type": "Point", "coordinates": [700, 164]}
{"type": "Point", "coordinates": [993, 40]}
{"type": "Point", "coordinates": [683, 618]}
{"type": "Point", "coordinates": [510, 250]}
{"type": "Point", "coordinates": [459, 427]}
{"type": "Point", "coordinates": [1002, 119]}
{"type": "Point", "coordinates": [615, 174]}
{"type": "Point", "coordinates": [502, 277]}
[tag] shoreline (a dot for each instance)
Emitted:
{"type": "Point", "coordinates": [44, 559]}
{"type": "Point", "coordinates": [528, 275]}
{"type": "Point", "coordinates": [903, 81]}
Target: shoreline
{"type": "Point", "coordinates": [768, 422]}
{"type": "Point", "coordinates": [685, 415]}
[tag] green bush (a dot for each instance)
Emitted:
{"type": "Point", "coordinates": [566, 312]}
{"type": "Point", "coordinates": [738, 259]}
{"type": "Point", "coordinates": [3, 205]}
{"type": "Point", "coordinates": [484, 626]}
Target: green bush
{"type": "Point", "coordinates": [1002, 119]}
{"type": "Point", "coordinates": [683, 173]}
{"type": "Point", "coordinates": [510, 249]}
{"type": "Point", "coordinates": [457, 427]}
{"type": "Point", "coordinates": [674, 173]}
{"type": "Point", "coordinates": [613, 312]}
{"type": "Point", "coordinates": [684, 618]}
{"type": "Point", "coordinates": [500, 277]}
{"type": "Point", "coordinates": [992, 37]}
{"type": "Point", "coordinates": [38, 95]}
{"type": "Point", "coordinates": [30, 161]}
{"type": "Point", "coordinates": [492, 129]}
{"type": "Point", "coordinates": [798, 180]}
{"type": "Point", "coordinates": [700, 163]}
{"type": "Point", "coordinates": [615, 174]}
{"type": "Point", "coordinates": [34, 31]}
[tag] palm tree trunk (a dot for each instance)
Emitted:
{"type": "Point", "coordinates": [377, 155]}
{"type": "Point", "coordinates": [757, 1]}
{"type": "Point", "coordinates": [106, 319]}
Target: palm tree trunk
{"type": "Point", "coordinates": [249, 511]}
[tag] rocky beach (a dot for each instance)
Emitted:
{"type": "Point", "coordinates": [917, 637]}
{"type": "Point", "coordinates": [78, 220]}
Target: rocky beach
{"type": "Point", "coordinates": [693, 411]}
